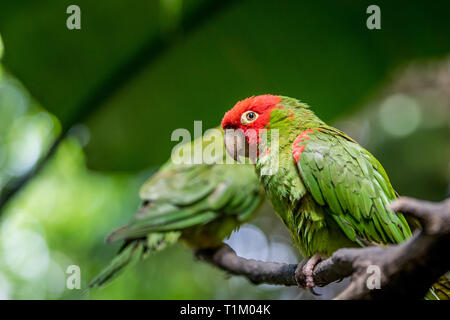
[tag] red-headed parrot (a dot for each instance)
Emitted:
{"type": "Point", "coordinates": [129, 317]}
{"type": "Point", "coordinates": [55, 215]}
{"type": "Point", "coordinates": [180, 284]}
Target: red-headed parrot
{"type": "Point", "coordinates": [329, 191]}
{"type": "Point", "coordinates": [197, 203]}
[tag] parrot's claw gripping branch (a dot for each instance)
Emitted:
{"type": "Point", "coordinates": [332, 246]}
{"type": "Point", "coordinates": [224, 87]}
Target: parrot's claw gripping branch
{"type": "Point", "coordinates": [406, 270]}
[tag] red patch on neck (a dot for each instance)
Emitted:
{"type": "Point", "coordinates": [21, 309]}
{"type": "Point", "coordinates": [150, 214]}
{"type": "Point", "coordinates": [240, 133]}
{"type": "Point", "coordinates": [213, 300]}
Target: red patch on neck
{"type": "Point", "coordinates": [296, 148]}
{"type": "Point", "coordinates": [291, 114]}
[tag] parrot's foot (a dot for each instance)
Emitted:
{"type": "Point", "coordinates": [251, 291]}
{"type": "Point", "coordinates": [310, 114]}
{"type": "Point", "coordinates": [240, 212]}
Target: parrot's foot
{"type": "Point", "coordinates": [305, 270]}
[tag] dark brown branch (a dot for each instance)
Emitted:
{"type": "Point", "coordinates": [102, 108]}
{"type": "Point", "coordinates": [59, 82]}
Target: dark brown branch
{"type": "Point", "coordinates": [410, 268]}
{"type": "Point", "coordinates": [406, 270]}
{"type": "Point", "coordinates": [256, 271]}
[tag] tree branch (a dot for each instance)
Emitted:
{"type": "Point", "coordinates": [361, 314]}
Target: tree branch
{"type": "Point", "coordinates": [256, 271]}
{"type": "Point", "coordinates": [406, 270]}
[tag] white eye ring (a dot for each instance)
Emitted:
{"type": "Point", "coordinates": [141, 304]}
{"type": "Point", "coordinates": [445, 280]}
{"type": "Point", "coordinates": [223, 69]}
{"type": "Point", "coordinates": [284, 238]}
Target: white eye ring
{"type": "Point", "coordinates": [248, 117]}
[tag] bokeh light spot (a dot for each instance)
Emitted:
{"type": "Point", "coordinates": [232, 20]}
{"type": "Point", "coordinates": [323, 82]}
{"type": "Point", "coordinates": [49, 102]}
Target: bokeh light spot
{"type": "Point", "coordinates": [26, 253]}
{"type": "Point", "coordinates": [400, 115]}
{"type": "Point", "coordinates": [249, 242]}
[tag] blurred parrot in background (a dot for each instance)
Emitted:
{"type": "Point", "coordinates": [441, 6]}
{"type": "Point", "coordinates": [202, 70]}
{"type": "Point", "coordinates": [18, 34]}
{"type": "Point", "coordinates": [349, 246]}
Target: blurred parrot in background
{"type": "Point", "coordinates": [200, 204]}
{"type": "Point", "coordinates": [329, 191]}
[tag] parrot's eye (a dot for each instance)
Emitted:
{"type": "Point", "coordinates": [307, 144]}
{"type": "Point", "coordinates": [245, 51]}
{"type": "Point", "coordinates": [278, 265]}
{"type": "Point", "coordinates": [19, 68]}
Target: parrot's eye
{"type": "Point", "coordinates": [248, 117]}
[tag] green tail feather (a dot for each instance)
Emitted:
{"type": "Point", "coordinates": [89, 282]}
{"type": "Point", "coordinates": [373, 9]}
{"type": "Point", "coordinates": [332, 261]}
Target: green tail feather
{"type": "Point", "coordinates": [131, 252]}
{"type": "Point", "coordinates": [440, 290]}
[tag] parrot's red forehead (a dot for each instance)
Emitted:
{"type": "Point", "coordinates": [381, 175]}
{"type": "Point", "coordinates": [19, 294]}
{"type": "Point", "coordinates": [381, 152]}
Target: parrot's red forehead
{"type": "Point", "coordinates": [260, 104]}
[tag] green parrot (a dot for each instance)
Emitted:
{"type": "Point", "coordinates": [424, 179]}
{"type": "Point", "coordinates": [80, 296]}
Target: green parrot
{"type": "Point", "coordinates": [329, 191]}
{"type": "Point", "coordinates": [197, 203]}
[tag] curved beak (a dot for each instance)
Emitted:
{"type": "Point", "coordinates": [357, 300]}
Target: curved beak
{"type": "Point", "coordinates": [235, 143]}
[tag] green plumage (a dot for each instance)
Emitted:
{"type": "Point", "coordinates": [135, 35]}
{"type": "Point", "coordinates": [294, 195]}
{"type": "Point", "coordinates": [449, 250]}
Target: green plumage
{"type": "Point", "coordinates": [346, 185]}
{"type": "Point", "coordinates": [334, 193]}
{"type": "Point", "coordinates": [329, 191]}
{"type": "Point", "coordinates": [201, 204]}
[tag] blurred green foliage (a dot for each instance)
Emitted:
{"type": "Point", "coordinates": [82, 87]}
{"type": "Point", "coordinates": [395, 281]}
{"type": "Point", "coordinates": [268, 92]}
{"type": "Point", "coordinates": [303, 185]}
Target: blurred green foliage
{"type": "Point", "coordinates": [177, 66]}
{"type": "Point", "coordinates": [26, 130]}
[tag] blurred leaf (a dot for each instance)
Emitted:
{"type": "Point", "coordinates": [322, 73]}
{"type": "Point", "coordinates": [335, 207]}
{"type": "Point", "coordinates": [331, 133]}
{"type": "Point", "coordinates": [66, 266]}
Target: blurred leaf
{"type": "Point", "coordinates": [2, 48]}
{"type": "Point", "coordinates": [26, 130]}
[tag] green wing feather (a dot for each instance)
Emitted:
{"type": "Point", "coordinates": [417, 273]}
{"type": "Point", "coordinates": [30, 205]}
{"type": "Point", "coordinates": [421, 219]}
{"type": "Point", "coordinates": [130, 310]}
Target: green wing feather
{"type": "Point", "coordinates": [352, 185]}
{"type": "Point", "coordinates": [182, 196]}
{"type": "Point", "coordinates": [354, 188]}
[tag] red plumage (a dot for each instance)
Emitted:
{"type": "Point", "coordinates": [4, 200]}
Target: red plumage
{"type": "Point", "coordinates": [260, 104]}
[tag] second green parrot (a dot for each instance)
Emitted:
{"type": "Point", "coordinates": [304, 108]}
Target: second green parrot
{"type": "Point", "coordinates": [198, 203]}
